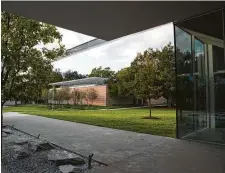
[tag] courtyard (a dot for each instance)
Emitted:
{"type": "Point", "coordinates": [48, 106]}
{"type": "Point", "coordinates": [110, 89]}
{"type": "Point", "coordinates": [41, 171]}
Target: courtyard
{"type": "Point", "coordinates": [163, 124]}
{"type": "Point", "coordinates": [120, 89]}
{"type": "Point", "coordinates": [122, 151]}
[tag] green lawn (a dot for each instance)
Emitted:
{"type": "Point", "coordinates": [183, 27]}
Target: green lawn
{"type": "Point", "coordinates": [129, 119]}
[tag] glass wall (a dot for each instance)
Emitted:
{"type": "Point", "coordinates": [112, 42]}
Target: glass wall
{"type": "Point", "coordinates": [200, 63]}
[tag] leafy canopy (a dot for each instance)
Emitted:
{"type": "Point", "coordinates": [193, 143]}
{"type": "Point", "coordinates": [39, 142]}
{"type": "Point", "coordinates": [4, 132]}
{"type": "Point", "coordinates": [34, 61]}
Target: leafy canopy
{"type": "Point", "coordinates": [26, 67]}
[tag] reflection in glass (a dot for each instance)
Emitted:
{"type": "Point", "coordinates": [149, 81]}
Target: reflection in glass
{"type": "Point", "coordinates": [184, 82]}
{"type": "Point", "coordinates": [183, 51]}
{"type": "Point", "coordinates": [201, 78]}
{"type": "Point", "coordinates": [218, 58]}
{"type": "Point", "coordinates": [200, 112]}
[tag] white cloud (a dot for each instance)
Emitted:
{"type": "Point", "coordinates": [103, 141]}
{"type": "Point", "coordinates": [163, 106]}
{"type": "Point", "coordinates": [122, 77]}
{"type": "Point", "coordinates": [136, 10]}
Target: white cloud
{"type": "Point", "coordinates": [116, 54]}
{"type": "Point", "coordinates": [71, 39]}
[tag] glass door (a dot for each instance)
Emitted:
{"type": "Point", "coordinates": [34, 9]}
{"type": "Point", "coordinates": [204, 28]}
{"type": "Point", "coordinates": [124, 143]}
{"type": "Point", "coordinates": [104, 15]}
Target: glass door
{"type": "Point", "coordinates": [200, 84]}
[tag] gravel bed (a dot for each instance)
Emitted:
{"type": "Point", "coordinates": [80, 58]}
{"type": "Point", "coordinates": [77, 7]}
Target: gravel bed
{"type": "Point", "coordinates": [14, 141]}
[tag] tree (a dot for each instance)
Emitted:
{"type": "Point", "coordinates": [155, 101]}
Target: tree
{"type": "Point", "coordinates": [167, 70]}
{"type": "Point", "coordinates": [106, 73]}
{"type": "Point", "coordinates": [22, 57]}
{"type": "Point", "coordinates": [56, 76]}
{"type": "Point", "coordinates": [63, 94]}
{"type": "Point", "coordinates": [44, 95]}
{"type": "Point", "coordinates": [113, 86]}
{"type": "Point", "coordinates": [66, 94]}
{"type": "Point", "coordinates": [85, 95]}
{"type": "Point", "coordinates": [100, 72]}
{"type": "Point", "coordinates": [121, 84]}
{"type": "Point", "coordinates": [92, 95]}
{"type": "Point", "coordinates": [37, 79]}
{"type": "Point", "coordinates": [76, 96]}
{"type": "Point", "coordinates": [72, 75]}
{"type": "Point", "coordinates": [125, 81]}
{"type": "Point", "coordinates": [58, 96]}
{"type": "Point", "coordinates": [82, 96]}
{"type": "Point", "coordinates": [147, 83]}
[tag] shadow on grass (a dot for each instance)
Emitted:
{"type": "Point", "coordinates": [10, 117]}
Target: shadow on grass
{"type": "Point", "coordinates": [151, 118]}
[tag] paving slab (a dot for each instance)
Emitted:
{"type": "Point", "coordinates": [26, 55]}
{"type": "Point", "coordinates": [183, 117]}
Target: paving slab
{"type": "Point", "coordinates": [108, 145]}
{"type": "Point", "coordinates": [176, 156]}
{"type": "Point", "coordinates": [123, 151]}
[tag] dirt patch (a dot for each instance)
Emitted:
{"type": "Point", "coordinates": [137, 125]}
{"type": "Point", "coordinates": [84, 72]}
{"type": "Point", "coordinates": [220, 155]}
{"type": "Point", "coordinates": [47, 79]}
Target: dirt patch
{"type": "Point", "coordinates": [151, 118]}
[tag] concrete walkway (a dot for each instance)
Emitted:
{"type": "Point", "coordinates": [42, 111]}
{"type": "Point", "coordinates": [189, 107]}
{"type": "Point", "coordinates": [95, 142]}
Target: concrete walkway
{"type": "Point", "coordinates": [125, 151]}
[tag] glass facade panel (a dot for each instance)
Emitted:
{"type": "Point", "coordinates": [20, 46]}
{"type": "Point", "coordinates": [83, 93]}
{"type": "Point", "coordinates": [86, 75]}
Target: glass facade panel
{"type": "Point", "coordinates": [185, 85]}
{"type": "Point", "coordinates": [200, 63]}
{"type": "Point", "coordinates": [200, 112]}
{"type": "Point", "coordinates": [219, 60]}
{"type": "Point", "coordinates": [183, 52]}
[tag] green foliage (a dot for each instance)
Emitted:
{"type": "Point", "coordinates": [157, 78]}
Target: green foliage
{"type": "Point", "coordinates": [56, 76]}
{"type": "Point", "coordinates": [167, 68]}
{"type": "Point", "coordinates": [100, 72]}
{"type": "Point", "coordinates": [72, 75]}
{"type": "Point", "coordinates": [113, 86]}
{"type": "Point", "coordinates": [125, 81]}
{"type": "Point", "coordinates": [26, 68]}
{"type": "Point", "coordinates": [148, 79]}
{"type": "Point", "coordinates": [150, 76]}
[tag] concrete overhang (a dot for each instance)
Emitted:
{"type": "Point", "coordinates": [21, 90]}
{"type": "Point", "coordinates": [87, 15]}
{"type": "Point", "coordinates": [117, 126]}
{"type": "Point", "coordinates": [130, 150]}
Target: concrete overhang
{"type": "Point", "coordinates": [109, 20]}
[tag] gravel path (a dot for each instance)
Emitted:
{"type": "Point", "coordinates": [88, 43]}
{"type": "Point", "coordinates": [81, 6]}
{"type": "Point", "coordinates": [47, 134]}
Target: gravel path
{"type": "Point", "coordinates": [14, 142]}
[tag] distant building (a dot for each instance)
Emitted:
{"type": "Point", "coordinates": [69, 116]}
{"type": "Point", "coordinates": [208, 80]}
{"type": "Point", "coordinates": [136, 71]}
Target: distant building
{"type": "Point", "coordinates": [101, 87]}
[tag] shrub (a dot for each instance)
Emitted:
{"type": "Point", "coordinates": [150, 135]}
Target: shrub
{"type": "Point", "coordinates": [92, 95]}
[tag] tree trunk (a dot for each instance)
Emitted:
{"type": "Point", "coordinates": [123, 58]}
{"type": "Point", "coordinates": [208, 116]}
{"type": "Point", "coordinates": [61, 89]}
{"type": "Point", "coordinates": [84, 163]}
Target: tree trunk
{"type": "Point", "coordinates": [87, 102]}
{"type": "Point", "coordinates": [150, 107]}
{"type": "Point", "coordinates": [170, 102]}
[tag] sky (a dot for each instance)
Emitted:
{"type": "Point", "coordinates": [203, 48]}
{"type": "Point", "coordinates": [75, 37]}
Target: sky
{"type": "Point", "coordinates": [115, 54]}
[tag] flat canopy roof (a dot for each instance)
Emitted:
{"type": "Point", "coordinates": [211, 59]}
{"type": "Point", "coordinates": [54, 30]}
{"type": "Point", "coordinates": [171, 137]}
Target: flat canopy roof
{"type": "Point", "coordinates": [82, 47]}
{"type": "Point", "coordinates": [109, 20]}
{"type": "Point", "coordinates": [84, 81]}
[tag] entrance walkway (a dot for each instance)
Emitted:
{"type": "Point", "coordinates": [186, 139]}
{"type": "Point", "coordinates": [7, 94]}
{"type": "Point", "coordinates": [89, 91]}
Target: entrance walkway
{"type": "Point", "coordinates": [125, 151]}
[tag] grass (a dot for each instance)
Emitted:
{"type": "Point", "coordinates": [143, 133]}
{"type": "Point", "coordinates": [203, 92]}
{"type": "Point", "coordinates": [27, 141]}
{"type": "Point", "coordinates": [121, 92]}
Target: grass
{"type": "Point", "coordinates": [130, 119]}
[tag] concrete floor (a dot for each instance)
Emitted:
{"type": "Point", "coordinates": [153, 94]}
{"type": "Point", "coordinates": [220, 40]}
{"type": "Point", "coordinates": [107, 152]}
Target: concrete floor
{"type": "Point", "coordinates": [216, 135]}
{"type": "Point", "coordinates": [125, 151]}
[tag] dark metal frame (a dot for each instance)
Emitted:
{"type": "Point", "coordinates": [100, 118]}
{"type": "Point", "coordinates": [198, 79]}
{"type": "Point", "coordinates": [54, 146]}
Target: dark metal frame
{"type": "Point", "coordinates": [174, 34]}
